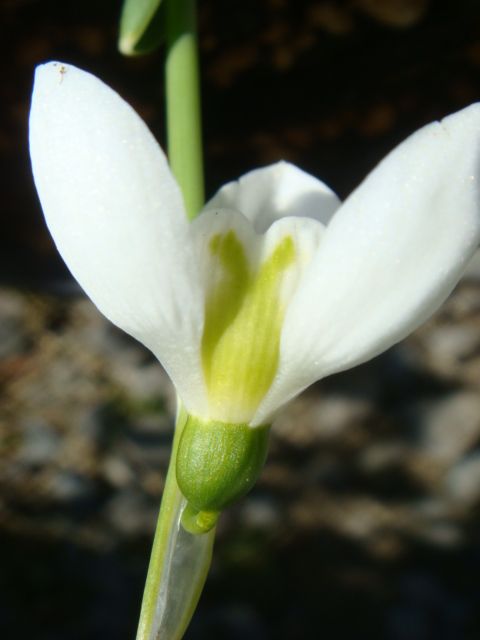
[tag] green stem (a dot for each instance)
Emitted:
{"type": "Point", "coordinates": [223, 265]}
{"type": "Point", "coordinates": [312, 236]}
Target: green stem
{"type": "Point", "coordinates": [183, 103]}
{"type": "Point", "coordinates": [178, 566]}
{"type": "Point", "coordinates": [180, 560]}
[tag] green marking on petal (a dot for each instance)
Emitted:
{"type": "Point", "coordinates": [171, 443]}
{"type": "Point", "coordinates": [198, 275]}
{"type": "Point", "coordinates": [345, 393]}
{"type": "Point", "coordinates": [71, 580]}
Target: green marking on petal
{"type": "Point", "coordinates": [243, 321]}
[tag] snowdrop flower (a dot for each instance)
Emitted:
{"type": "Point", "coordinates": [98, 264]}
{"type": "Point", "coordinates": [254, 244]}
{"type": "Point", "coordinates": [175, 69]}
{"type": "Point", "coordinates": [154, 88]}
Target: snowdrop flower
{"type": "Point", "coordinates": [274, 286]}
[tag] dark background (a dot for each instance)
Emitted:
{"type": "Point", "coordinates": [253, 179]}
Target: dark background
{"type": "Point", "coordinates": [365, 529]}
{"type": "Point", "coordinates": [330, 86]}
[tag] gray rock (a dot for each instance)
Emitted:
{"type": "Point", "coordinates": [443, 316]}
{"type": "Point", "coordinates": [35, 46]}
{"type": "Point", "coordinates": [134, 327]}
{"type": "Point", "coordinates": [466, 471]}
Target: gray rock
{"type": "Point", "coordinates": [448, 427]}
{"type": "Point", "coordinates": [67, 486]}
{"type": "Point", "coordinates": [381, 455]}
{"type": "Point", "coordinates": [117, 472]}
{"type": "Point", "coordinates": [462, 483]}
{"type": "Point", "coordinates": [129, 514]}
{"type": "Point", "coordinates": [452, 343]}
{"type": "Point", "coordinates": [260, 513]}
{"type": "Point", "coordinates": [40, 443]}
{"type": "Point", "coordinates": [310, 419]}
{"type": "Point", "coordinates": [13, 333]}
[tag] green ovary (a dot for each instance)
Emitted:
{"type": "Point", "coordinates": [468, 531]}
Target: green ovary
{"type": "Point", "coordinates": [243, 321]}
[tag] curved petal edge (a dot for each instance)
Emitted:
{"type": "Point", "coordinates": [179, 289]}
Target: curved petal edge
{"type": "Point", "coordinates": [390, 256]}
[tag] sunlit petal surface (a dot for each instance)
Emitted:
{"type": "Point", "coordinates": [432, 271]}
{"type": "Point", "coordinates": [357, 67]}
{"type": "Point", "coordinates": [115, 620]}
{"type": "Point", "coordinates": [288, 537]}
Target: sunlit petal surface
{"type": "Point", "coordinates": [388, 259]}
{"type": "Point", "coordinates": [116, 215]}
{"type": "Point", "coordinates": [270, 193]}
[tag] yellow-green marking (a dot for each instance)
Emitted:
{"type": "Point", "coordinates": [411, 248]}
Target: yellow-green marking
{"type": "Point", "coordinates": [243, 321]}
{"type": "Point", "coordinates": [220, 456]}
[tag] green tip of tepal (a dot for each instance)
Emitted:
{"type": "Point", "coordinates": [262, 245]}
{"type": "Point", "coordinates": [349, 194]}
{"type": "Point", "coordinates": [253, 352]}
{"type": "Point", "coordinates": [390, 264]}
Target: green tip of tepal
{"type": "Point", "coordinates": [198, 522]}
{"type": "Point", "coordinates": [126, 45]}
{"type": "Point", "coordinates": [141, 28]}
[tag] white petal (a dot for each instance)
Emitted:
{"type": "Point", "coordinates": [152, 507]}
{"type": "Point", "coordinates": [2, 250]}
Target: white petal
{"type": "Point", "coordinates": [117, 217]}
{"type": "Point", "coordinates": [243, 360]}
{"type": "Point", "coordinates": [388, 259]}
{"type": "Point", "coordinates": [273, 192]}
{"type": "Point", "coordinates": [306, 234]}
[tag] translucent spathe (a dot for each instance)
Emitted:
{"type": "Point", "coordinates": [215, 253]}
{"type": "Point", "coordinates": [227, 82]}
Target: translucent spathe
{"type": "Point", "coordinates": [365, 273]}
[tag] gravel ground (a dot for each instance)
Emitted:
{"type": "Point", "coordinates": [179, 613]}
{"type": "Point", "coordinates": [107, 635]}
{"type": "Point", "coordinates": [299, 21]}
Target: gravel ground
{"type": "Point", "coordinates": [364, 522]}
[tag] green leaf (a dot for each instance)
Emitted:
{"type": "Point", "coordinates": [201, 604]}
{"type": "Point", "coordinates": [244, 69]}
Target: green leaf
{"type": "Point", "coordinates": [141, 26]}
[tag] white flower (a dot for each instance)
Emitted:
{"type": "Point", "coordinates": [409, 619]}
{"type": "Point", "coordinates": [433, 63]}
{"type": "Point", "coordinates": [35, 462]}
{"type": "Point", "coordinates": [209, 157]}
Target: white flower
{"type": "Point", "coordinates": [276, 284]}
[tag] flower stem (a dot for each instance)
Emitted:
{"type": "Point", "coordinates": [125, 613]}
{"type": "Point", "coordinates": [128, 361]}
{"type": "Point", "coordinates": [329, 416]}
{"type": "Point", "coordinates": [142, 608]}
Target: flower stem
{"type": "Point", "coordinates": [180, 560]}
{"type": "Point", "coordinates": [183, 103]}
{"type": "Point", "coordinates": [178, 564]}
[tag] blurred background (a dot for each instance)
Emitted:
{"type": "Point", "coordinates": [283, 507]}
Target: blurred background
{"type": "Point", "coordinates": [366, 521]}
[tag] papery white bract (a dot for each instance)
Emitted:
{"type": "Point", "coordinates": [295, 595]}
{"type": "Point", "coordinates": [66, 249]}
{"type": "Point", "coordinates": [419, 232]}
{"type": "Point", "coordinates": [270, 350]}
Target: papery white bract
{"type": "Point", "coordinates": [347, 281]}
